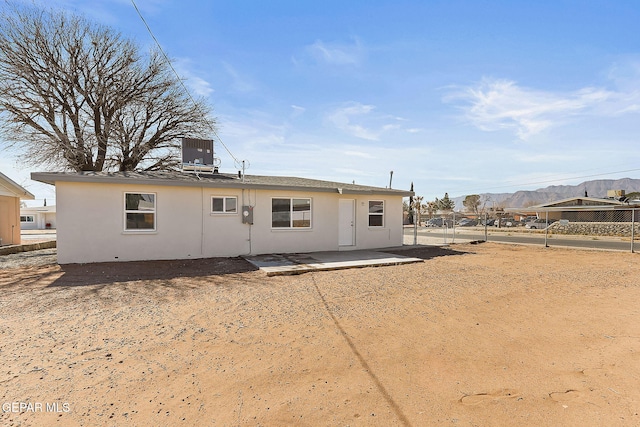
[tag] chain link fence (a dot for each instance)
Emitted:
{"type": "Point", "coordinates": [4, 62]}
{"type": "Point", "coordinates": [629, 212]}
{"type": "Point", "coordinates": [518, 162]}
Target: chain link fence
{"type": "Point", "coordinates": [610, 228]}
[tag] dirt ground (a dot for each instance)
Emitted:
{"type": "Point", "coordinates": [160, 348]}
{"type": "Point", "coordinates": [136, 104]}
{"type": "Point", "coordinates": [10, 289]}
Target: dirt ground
{"type": "Point", "coordinates": [477, 335]}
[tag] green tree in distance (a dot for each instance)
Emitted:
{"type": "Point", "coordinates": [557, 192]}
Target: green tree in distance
{"type": "Point", "coordinates": [471, 203]}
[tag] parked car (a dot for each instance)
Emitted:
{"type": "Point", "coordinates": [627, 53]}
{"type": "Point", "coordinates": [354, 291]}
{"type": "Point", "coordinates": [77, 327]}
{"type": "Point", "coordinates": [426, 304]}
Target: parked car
{"type": "Point", "coordinates": [466, 222]}
{"type": "Point", "coordinates": [438, 222]}
{"type": "Point", "coordinates": [505, 222]}
{"type": "Point", "coordinates": [538, 224]}
{"type": "Point", "coordinates": [488, 222]}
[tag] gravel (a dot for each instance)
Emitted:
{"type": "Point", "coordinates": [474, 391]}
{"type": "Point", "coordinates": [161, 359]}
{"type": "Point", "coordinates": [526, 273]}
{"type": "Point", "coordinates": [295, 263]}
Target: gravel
{"type": "Point", "coordinates": [38, 258]}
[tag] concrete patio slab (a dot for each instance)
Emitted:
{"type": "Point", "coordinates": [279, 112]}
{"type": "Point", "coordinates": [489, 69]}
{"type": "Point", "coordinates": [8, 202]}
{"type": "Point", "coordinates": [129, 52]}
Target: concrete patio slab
{"type": "Point", "coordinates": [289, 264]}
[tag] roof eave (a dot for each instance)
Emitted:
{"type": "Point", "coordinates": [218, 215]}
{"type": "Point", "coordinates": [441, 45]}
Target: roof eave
{"type": "Point", "coordinates": [52, 178]}
{"type": "Point", "coordinates": [17, 189]}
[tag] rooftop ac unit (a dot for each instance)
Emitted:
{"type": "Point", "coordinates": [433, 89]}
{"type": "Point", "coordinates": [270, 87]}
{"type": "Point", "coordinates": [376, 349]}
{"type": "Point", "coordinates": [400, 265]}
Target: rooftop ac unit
{"type": "Point", "coordinates": [197, 155]}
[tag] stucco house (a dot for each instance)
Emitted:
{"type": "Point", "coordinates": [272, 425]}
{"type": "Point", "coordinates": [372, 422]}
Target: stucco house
{"type": "Point", "coordinates": [584, 209]}
{"type": "Point", "coordinates": [38, 218]}
{"type": "Point", "coordinates": [10, 195]}
{"type": "Point", "coordinates": [125, 216]}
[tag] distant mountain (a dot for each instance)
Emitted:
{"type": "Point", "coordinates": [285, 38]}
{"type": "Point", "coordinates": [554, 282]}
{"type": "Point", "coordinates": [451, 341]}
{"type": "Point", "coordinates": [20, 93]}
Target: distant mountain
{"type": "Point", "coordinates": [519, 199]}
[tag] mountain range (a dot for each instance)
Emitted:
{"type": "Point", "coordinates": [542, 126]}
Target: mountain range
{"type": "Point", "coordinates": [596, 188]}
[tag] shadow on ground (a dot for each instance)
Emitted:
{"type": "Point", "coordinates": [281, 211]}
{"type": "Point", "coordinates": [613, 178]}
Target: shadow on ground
{"type": "Point", "coordinates": [110, 272]}
{"type": "Point", "coordinates": [427, 252]}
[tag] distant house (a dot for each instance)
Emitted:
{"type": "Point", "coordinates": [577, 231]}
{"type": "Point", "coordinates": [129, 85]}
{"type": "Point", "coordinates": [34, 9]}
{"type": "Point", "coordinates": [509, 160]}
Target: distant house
{"type": "Point", "coordinates": [127, 216]}
{"type": "Point", "coordinates": [584, 209]}
{"type": "Point", "coordinates": [10, 196]}
{"type": "Point", "coordinates": [38, 218]}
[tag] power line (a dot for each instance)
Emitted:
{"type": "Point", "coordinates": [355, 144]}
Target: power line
{"type": "Point", "coordinates": [179, 78]}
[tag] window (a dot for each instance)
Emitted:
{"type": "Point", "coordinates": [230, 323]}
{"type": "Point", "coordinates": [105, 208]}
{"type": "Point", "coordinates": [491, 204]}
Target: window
{"type": "Point", "coordinates": [291, 213]}
{"type": "Point", "coordinates": [224, 205]}
{"type": "Point", "coordinates": [140, 211]}
{"type": "Point", "coordinates": [376, 213]}
{"type": "Point", "coordinates": [26, 218]}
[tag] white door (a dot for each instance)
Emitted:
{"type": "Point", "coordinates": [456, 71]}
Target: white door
{"type": "Point", "coordinates": [346, 222]}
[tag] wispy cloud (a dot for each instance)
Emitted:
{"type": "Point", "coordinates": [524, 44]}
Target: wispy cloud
{"type": "Point", "coordinates": [297, 110]}
{"type": "Point", "coordinates": [361, 154]}
{"type": "Point", "coordinates": [503, 104]}
{"type": "Point", "coordinates": [239, 83]}
{"type": "Point", "coordinates": [359, 120]}
{"type": "Point", "coordinates": [186, 70]}
{"type": "Point", "coordinates": [337, 53]}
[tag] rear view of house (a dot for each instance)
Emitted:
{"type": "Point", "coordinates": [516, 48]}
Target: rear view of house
{"type": "Point", "coordinates": [10, 196]}
{"type": "Point", "coordinates": [124, 216]}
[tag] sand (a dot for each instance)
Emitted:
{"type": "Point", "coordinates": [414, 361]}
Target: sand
{"type": "Point", "coordinates": [477, 335]}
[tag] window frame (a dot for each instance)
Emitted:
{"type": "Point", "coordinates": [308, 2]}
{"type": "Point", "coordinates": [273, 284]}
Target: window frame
{"type": "Point", "coordinates": [380, 214]}
{"type": "Point", "coordinates": [26, 218]}
{"type": "Point", "coordinates": [224, 205]}
{"type": "Point", "coordinates": [138, 211]}
{"type": "Point", "coordinates": [292, 214]}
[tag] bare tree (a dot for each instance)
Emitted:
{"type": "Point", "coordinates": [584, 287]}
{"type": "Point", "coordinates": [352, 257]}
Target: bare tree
{"type": "Point", "coordinates": [78, 95]}
{"type": "Point", "coordinates": [418, 208]}
{"type": "Point", "coordinates": [432, 208]}
{"type": "Point", "coordinates": [484, 199]}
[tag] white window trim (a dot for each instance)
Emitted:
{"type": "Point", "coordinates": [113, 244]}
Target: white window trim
{"type": "Point", "coordinates": [377, 227]}
{"type": "Point", "coordinates": [224, 205]}
{"type": "Point", "coordinates": [291, 227]}
{"type": "Point", "coordinates": [125, 212]}
{"type": "Point", "coordinates": [33, 218]}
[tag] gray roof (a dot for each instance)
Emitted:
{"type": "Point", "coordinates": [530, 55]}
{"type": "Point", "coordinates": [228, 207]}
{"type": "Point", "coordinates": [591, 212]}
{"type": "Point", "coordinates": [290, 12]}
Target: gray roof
{"type": "Point", "coordinates": [576, 204]}
{"type": "Point", "coordinates": [216, 180]}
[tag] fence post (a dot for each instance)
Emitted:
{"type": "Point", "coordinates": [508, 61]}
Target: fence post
{"type": "Point", "coordinates": [546, 228]}
{"type": "Point", "coordinates": [444, 228]}
{"type": "Point", "coordinates": [633, 227]}
{"type": "Point", "coordinates": [486, 218]}
{"type": "Point", "coordinates": [415, 227]}
{"type": "Point", "coordinates": [453, 227]}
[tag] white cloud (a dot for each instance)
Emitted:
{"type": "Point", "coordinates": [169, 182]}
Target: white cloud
{"type": "Point", "coordinates": [337, 53]}
{"type": "Point", "coordinates": [199, 86]}
{"type": "Point", "coordinates": [359, 120]}
{"type": "Point", "coordinates": [502, 104]}
{"type": "Point", "coordinates": [297, 111]}
{"type": "Point", "coordinates": [196, 84]}
{"type": "Point", "coordinates": [361, 154]}
{"type": "Point", "coordinates": [625, 74]}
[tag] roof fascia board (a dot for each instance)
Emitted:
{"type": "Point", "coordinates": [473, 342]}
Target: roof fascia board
{"type": "Point", "coordinates": [53, 178]}
{"type": "Point", "coordinates": [16, 188]}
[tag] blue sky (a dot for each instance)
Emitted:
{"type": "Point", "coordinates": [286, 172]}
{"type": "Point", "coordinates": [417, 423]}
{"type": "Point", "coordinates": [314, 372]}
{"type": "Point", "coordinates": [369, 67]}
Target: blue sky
{"type": "Point", "coordinates": [459, 96]}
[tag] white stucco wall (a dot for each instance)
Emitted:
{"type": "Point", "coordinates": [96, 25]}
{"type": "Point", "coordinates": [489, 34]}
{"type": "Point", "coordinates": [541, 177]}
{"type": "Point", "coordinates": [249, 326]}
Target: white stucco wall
{"type": "Point", "coordinates": [379, 237]}
{"type": "Point", "coordinates": [41, 215]}
{"type": "Point", "coordinates": [90, 224]}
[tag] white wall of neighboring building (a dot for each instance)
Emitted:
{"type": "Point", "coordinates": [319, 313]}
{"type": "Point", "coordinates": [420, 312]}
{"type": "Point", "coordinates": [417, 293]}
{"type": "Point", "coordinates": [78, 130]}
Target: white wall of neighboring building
{"type": "Point", "coordinates": [39, 218]}
{"type": "Point", "coordinates": [90, 224]}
